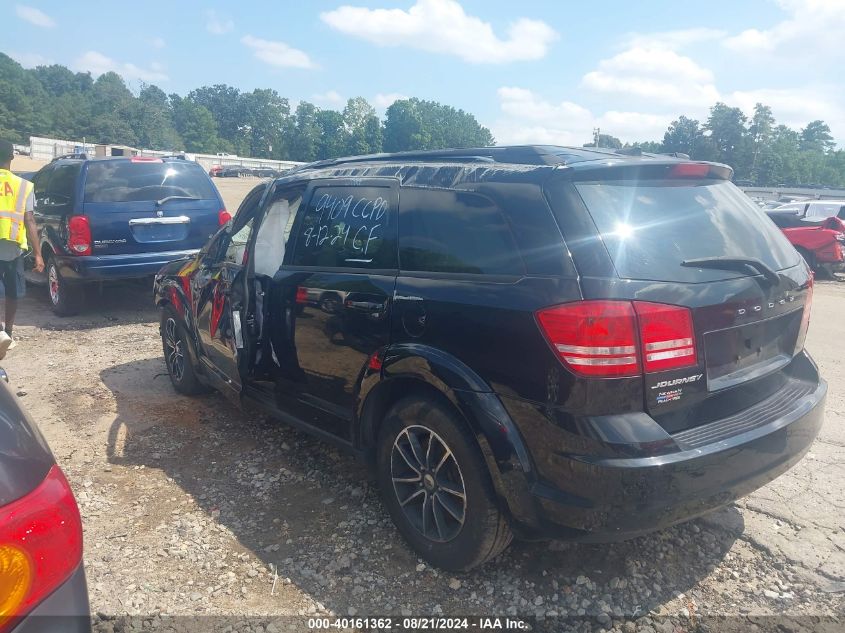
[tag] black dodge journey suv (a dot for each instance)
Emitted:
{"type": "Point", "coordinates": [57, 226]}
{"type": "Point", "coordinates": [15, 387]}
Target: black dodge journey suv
{"type": "Point", "coordinates": [530, 341]}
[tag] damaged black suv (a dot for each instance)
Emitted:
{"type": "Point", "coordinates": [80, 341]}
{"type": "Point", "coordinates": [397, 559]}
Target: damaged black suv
{"type": "Point", "coordinates": [530, 341]}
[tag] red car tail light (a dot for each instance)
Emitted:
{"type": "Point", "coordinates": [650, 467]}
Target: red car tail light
{"type": "Point", "coordinates": [593, 338]}
{"type": "Point", "coordinates": [79, 235]}
{"type": "Point", "coordinates": [667, 336]}
{"type": "Point", "coordinates": [223, 216]}
{"type": "Point", "coordinates": [301, 294]}
{"type": "Point", "coordinates": [805, 317]}
{"type": "Point", "coordinates": [40, 546]}
{"type": "Point", "coordinates": [620, 338]}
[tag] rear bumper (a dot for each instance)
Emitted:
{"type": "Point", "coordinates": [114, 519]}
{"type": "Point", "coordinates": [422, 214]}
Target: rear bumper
{"type": "Point", "coordinates": [603, 499]}
{"type": "Point", "coordinates": [66, 610]}
{"type": "Point", "coordinates": [107, 267]}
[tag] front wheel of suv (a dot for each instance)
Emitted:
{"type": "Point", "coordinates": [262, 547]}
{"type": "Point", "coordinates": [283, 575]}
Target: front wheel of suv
{"type": "Point", "coordinates": [65, 299]}
{"type": "Point", "coordinates": [436, 486]}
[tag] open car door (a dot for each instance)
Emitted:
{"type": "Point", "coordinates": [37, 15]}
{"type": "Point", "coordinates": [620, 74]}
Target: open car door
{"type": "Point", "coordinates": [220, 286]}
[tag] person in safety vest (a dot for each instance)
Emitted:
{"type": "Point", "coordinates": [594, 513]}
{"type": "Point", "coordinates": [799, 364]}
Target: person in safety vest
{"type": "Point", "coordinates": [17, 234]}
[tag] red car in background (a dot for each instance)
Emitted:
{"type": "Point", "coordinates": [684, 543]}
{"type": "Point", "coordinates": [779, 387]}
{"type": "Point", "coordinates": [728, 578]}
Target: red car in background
{"type": "Point", "coordinates": [816, 228]}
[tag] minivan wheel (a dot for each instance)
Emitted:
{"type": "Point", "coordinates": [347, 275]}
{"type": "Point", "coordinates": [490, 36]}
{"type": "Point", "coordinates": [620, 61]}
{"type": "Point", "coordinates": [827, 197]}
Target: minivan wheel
{"type": "Point", "coordinates": [65, 299]}
{"type": "Point", "coordinates": [176, 355]}
{"type": "Point", "coordinates": [435, 484]}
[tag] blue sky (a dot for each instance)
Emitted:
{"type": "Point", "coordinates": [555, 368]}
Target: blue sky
{"type": "Point", "coordinates": [535, 71]}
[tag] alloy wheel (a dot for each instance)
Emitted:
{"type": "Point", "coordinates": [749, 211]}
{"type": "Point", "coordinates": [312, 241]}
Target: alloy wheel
{"type": "Point", "coordinates": [428, 483]}
{"type": "Point", "coordinates": [53, 284]}
{"type": "Point", "coordinates": [173, 351]}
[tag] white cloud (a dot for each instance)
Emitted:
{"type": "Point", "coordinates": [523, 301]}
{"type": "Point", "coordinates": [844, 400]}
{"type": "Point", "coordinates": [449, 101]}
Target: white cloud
{"type": "Point", "coordinates": [331, 98]}
{"type": "Point", "coordinates": [442, 26]}
{"type": "Point", "coordinates": [97, 64]}
{"type": "Point", "coordinates": [813, 30]}
{"type": "Point", "coordinates": [158, 42]}
{"type": "Point", "coordinates": [217, 24]}
{"type": "Point", "coordinates": [277, 53]}
{"type": "Point", "coordinates": [384, 100]}
{"type": "Point", "coordinates": [658, 75]}
{"type": "Point", "coordinates": [674, 40]}
{"type": "Point", "coordinates": [34, 16]}
{"type": "Point", "coordinates": [31, 60]}
{"type": "Point", "coordinates": [529, 118]}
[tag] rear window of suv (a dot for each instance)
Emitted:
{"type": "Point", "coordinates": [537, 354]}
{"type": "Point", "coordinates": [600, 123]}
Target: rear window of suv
{"type": "Point", "coordinates": [125, 181]}
{"type": "Point", "coordinates": [650, 226]}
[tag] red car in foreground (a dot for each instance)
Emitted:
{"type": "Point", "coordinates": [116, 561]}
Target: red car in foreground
{"type": "Point", "coordinates": [816, 229]}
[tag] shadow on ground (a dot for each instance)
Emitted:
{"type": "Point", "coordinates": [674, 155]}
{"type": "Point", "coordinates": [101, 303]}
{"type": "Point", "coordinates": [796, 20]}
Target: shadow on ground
{"type": "Point", "coordinates": [258, 474]}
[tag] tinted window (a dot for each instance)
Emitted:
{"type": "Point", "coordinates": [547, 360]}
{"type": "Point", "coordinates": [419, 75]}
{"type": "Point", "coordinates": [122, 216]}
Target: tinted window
{"type": "Point", "coordinates": [125, 181]}
{"type": "Point", "coordinates": [650, 227]}
{"type": "Point", "coordinates": [348, 227]}
{"type": "Point", "coordinates": [41, 179]}
{"type": "Point", "coordinates": [63, 183]}
{"type": "Point", "coordinates": [455, 232]}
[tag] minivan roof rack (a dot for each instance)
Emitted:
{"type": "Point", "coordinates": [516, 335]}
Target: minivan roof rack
{"type": "Point", "coordinates": [514, 154]}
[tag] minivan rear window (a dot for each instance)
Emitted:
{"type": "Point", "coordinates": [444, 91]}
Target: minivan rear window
{"type": "Point", "coordinates": [125, 181]}
{"type": "Point", "coordinates": [650, 226]}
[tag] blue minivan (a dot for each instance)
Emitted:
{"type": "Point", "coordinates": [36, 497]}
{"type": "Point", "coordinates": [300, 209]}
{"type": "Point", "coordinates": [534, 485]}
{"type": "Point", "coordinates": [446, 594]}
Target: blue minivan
{"type": "Point", "coordinates": [119, 218]}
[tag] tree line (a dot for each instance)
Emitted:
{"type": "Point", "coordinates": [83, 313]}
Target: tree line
{"type": "Point", "coordinates": [54, 101]}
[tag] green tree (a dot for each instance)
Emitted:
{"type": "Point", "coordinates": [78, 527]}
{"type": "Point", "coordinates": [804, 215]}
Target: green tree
{"type": "Point", "coordinates": [305, 141]}
{"type": "Point", "coordinates": [263, 118]}
{"type": "Point", "coordinates": [816, 137]}
{"type": "Point", "coordinates": [760, 131]}
{"type": "Point", "coordinates": [728, 136]}
{"type": "Point", "coordinates": [416, 124]}
{"type": "Point", "coordinates": [332, 134]}
{"type": "Point", "coordinates": [684, 135]}
{"type": "Point", "coordinates": [607, 141]}
{"type": "Point", "coordinates": [154, 120]}
{"type": "Point", "coordinates": [196, 125]}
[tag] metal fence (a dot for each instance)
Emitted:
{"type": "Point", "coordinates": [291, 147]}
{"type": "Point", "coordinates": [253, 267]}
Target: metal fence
{"type": "Point", "coordinates": [48, 148]}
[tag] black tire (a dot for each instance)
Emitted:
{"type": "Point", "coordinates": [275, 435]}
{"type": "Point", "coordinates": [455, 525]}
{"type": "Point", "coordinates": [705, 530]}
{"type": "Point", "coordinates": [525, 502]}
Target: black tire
{"type": "Point", "coordinates": [442, 539]}
{"type": "Point", "coordinates": [177, 357]}
{"type": "Point", "coordinates": [65, 299]}
{"type": "Point", "coordinates": [808, 257]}
{"type": "Point", "coordinates": [331, 303]}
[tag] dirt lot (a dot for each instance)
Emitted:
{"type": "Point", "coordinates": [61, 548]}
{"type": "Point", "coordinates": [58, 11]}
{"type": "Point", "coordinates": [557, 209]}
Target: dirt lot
{"type": "Point", "coordinates": [193, 508]}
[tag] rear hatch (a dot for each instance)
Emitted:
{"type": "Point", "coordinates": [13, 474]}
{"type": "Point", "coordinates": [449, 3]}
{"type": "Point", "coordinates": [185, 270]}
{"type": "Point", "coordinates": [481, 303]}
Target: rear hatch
{"type": "Point", "coordinates": [146, 206]}
{"type": "Point", "coordinates": [682, 234]}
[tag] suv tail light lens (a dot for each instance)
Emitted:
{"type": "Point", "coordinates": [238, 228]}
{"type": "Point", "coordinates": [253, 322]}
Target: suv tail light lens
{"type": "Point", "coordinates": [40, 546]}
{"type": "Point", "coordinates": [223, 216]}
{"type": "Point", "coordinates": [667, 336]}
{"type": "Point", "coordinates": [79, 235]}
{"type": "Point", "coordinates": [301, 295]}
{"type": "Point", "coordinates": [594, 338]}
{"type": "Point", "coordinates": [620, 338]}
{"type": "Point", "coordinates": [805, 318]}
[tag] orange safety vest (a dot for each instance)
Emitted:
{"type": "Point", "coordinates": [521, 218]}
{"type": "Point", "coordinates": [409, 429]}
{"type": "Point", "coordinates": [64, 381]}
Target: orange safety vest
{"type": "Point", "coordinates": [13, 194]}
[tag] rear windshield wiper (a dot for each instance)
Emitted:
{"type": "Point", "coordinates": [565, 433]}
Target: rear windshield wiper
{"type": "Point", "coordinates": [169, 198]}
{"type": "Point", "coordinates": [725, 262]}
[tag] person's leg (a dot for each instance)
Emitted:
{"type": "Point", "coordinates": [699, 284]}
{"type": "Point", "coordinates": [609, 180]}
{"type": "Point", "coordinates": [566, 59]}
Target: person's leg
{"type": "Point", "coordinates": [9, 291]}
{"type": "Point", "coordinates": [12, 280]}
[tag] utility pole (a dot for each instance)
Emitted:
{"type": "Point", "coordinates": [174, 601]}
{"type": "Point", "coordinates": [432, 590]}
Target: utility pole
{"type": "Point", "coordinates": [596, 136]}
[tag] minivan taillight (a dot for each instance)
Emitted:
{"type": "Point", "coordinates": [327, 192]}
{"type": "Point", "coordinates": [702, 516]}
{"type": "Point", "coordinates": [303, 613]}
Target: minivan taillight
{"type": "Point", "coordinates": [620, 338]}
{"type": "Point", "coordinates": [223, 216]}
{"type": "Point", "coordinates": [79, 235]}
{"type": "Point", "coordinates": [40, 546]}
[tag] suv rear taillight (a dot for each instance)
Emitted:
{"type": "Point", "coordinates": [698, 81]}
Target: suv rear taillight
{"type": "Point", "coordinates": [666, 335]}
{"type": "Point", "coordinates": [620, 338]}
{"type": "Point", "coordinates": [805, 317]}
{"type": "Point", "coordinates": [79, 235]}
{"type": "Point", "coordinates": [223, 216]}
{"type": "Point", "coordinates": [40, 546]}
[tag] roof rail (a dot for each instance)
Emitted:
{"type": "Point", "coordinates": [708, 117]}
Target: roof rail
{"type": "Point", "coordinates": [80, 156]}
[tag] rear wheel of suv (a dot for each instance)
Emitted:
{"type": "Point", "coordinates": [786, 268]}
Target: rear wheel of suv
{"type": "Point", "coordinates": [436, 486]}
{"type": "Point", "coordinates": [176, 355]}
{"type": "Point", "coordinates": [65, 299]}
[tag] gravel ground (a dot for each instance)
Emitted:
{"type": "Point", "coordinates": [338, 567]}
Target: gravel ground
{"type": "Point", "coordinates": [193, 508]}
